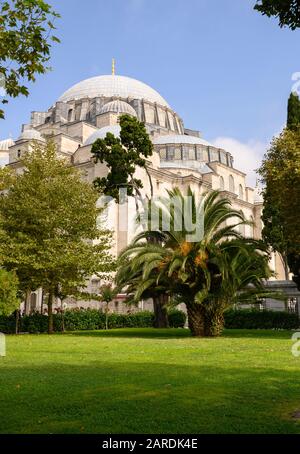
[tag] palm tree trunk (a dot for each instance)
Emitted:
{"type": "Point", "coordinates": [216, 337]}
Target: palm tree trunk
{"type": "Point", "coordinates": [196, 319]}
{"type": "Point", "coordinates": [160, 311]}
{"type": "Point", "coordinates": [213, 323]}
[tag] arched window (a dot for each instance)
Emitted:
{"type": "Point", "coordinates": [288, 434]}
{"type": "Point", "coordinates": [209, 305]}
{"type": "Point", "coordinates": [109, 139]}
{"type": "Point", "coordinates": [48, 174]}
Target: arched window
{"type": "Point", "coordinates": [231, 184]}
{"type": "Point", "coordinates": [241, 192]}
{"type": "Point", "coordinates": [70, 113]}
{"type": "Point", "coordinates": [222, 184]}
{"type": "Point", "coordinates": [77, 112]}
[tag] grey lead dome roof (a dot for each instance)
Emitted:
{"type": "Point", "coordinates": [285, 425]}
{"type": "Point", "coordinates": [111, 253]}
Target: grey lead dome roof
{"type": "Point", "coordinates": [101, 133]}
{"type": "Point", "coordinates": [31, 134]}
{"type": "Point", "coordinates": [118, 106]}
{"type": "Point", "coordinates": [6, 143]}
{"type": "Point", "coordinates": [110, 86]}
{"type": "Point", "coordinates": [180, 139]}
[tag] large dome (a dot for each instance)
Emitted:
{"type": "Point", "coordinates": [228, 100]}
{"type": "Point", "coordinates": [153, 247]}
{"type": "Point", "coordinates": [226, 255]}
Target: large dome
{"type": "Point", "coordinates": [113, 86]}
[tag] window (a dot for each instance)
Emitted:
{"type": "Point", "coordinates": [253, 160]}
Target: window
{"type": "Point", "coordinates": [199, 154]}
{"type": "Point", "coordinates": [19, 153]}
{"type": "Point", "coordinates": [222, 184]}
{"type": "Point", "coordinates": [70, 113]}
{"type": "Point", "coordinates": [185, 153]}
{"type": "Point", "coordinates": [191, 153]}
{"type": "Point", "coordinates": [77, 112]}
{"type": "Point", "coordinates": [163, 153]}
{"type": "Point", "coordinates": [214, 155]}
{"type": "Point", "coordinates": [178, 153]}
{"type": "Point", "coordinates": [170, 154]}
{"type": "Point", "coordinates": [241, 192]}
{"type": "Point", "coordinates": [223, 158]}
{"type": "Point", "coordinates": [292, 305]}
{"type": "Point", "coordinates": [231, 184]}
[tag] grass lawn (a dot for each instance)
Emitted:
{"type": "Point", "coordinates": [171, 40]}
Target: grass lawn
{"type": "Point", "coordinates": [150, 381]}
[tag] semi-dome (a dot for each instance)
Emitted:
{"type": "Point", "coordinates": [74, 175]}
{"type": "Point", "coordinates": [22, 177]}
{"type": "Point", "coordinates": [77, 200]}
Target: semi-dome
{"type": "Point", "coordinates": [31, 134]}
{"type": "Point", "coordinates": [113, 86]}
{"type": "Point", "coordinates": [180, 139]}
{"type": "Point", "coordinates": [101, 133]}
{"type": "Point", "coordinates": [118, 106]}
{"type": "Point", "coordinates": [6, 143]}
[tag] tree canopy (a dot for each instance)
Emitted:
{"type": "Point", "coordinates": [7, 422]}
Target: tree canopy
{"type": "Point", "coordinates": [293, 112]}
{"type": "Point", "coordinates": [122, 156]}
{"type": "Point", "coordinates": [207, 273]}
{"type": "Point", "coordinates": [9, 301]}
{"type": "Point", "coordinates": [287, 11]}
{"type": "Point", "coordinates": [50, 231]}
{"type": "Point", "coordinates": [26, 37]}
{"type": "Point", "coordinates": [280, 172]}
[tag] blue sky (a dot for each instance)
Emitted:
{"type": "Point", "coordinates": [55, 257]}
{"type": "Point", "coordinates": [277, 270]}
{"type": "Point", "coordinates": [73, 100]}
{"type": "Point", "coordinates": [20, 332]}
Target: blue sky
{"type": "Point", "coordinates": [223, 67]}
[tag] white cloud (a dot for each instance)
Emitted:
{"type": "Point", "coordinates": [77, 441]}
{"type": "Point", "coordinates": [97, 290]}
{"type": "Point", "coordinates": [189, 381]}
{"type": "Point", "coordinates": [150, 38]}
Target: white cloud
{"type": "Point", "coordinates": [247, 156]}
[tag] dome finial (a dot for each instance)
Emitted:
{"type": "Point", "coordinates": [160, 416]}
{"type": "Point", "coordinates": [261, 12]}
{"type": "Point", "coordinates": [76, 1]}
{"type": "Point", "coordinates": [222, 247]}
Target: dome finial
{"type": "Point", "coordinates": [113, 67]}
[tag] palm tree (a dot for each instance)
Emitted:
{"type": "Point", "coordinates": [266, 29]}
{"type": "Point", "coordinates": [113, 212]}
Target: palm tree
{"type": "Point", "coordinates": [243, 267]}
{"type": "Point", "coordinates": [177, 265]}
{"type": "Point", "coordinates": [107, 294]}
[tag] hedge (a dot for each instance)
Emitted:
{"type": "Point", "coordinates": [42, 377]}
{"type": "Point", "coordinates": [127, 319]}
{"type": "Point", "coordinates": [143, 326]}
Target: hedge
{"type": "Point", "coordinates": [89, 319]}
{"type": "Point", "coordinates": [92, 319]}
{"type": "Point", "coordinates": [255, 319]}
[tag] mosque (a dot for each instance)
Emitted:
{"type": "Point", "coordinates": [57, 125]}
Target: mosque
{"type": "Point", "coordinates": [181, 158]}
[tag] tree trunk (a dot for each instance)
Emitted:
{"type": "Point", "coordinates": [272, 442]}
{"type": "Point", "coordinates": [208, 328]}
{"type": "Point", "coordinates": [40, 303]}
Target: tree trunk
{"type": "Point", "coordinates": [17, 315]}
{"type": "Point", "coordinates": [106, 316]}
{"type": "Point", "coordinates": [160, 311]}
{"type": "Point", "coordinates": [196, 319]}
{"type": "Point", "coordinates": [213, 323]}
{"type": "Point", "coordinates": [50, 311]}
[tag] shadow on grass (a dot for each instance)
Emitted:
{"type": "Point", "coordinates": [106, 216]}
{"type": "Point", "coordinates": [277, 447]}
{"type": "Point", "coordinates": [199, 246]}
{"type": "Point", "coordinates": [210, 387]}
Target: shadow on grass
{"type": "Point", "coordinates": [150, 333]}
{"type": "Point", "coordinates": [147, 397]}
{"type": "Point", "coordinates": [173, 333]}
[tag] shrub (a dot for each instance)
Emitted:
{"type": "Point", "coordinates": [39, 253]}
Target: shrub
{"type": "Point", "coordinates": [76, 320]}
{"type": "Point", "coordinates": [176, 318]}
{"type": "Point", "coordinates": [254, 319]}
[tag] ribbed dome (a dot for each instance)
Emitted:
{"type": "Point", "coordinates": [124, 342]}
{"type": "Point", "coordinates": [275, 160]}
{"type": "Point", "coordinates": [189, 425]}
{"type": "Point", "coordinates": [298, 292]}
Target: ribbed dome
{"type": "Point", "coordinates": [118, 106]}
{"type": "Point", "coordinates": [101, 134]}
{"type": "Point", "coordinates": [113, 86]}
{"type": "Point", "coordinates": [31, 134]}
{"type": "Point", "coordinates": [5, 144]}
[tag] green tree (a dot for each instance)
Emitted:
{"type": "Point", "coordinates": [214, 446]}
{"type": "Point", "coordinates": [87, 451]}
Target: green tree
{"type": "Point", "coordinates": [287, 11]}
{"type": "Point", "coordinates": [280, 172]}
{"type": "Point", "coordinates": [122, 156]}
{"type": "Point", "coordinates": [193, 271]}
{"type": "Point", "coordinates": [293, 114]}
{"type": "Point", "coordinates": [26, 33]}
{"type": "Point", "coordinates": [9, 300]}
{"type": "Point", "coordinates": [50, 232]}
{"type": "Point", "coordinates": [106, 295]}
